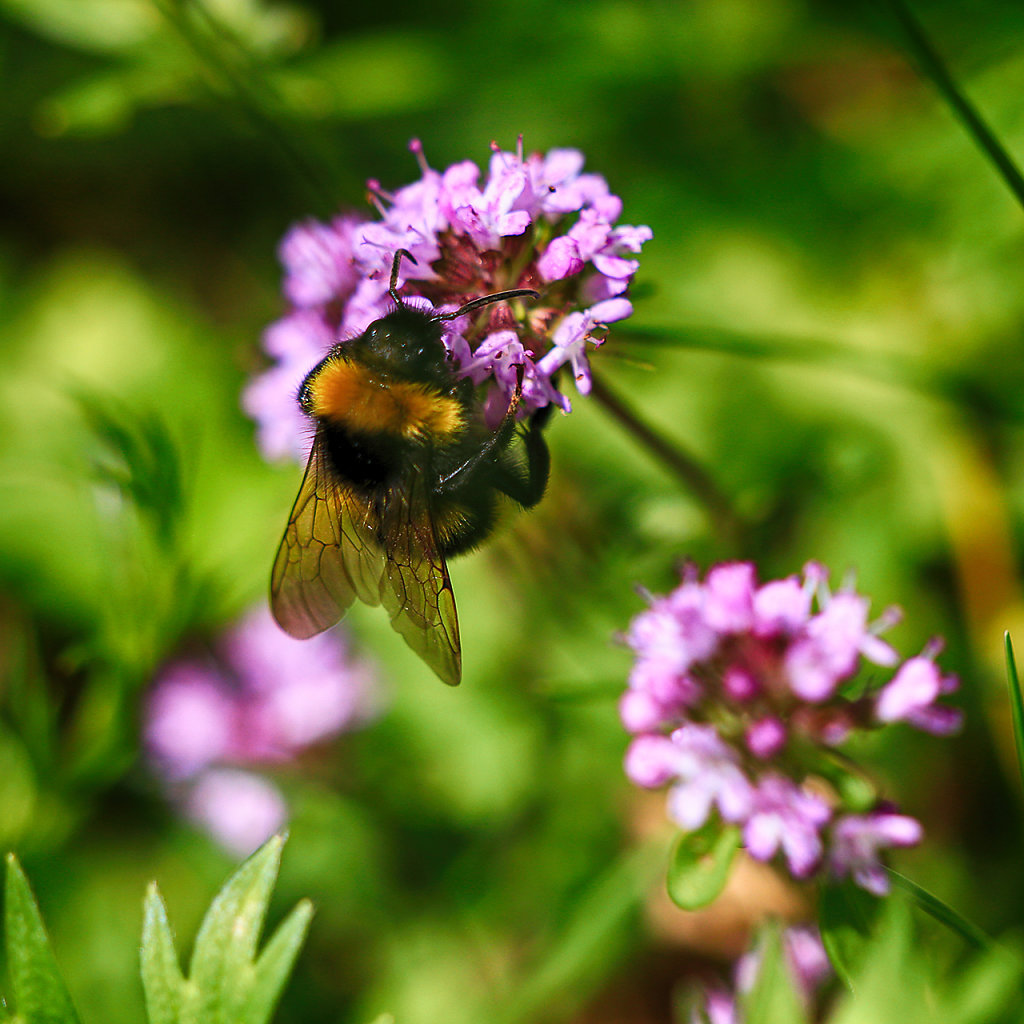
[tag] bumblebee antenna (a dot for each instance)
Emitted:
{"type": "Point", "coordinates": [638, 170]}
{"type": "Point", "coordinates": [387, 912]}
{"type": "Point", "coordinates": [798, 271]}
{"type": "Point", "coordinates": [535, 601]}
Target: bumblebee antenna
{"type": "Point", "coordinates": [396, 263]}
{"type": "Point", "coordinates": [484, 300]}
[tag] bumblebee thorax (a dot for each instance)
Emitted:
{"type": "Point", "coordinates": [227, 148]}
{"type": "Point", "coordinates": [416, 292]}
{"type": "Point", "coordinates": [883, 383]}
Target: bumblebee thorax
{"type": "Point", "coordinates": [363, 399]}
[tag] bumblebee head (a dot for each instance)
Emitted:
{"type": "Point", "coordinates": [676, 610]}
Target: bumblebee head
{"type": "Point", "coordinates": [406, 343]}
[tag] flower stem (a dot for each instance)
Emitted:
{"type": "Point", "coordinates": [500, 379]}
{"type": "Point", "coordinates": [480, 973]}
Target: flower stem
{"type": "Point", "coordinates": [683, 465]}
{"type": "Point", "coordinates": [933, 67]}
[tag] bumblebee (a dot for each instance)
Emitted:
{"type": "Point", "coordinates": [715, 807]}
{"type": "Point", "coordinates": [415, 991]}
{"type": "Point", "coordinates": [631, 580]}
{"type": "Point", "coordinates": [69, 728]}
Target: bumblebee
{"type": "Point", "coordinates": [403, 474]}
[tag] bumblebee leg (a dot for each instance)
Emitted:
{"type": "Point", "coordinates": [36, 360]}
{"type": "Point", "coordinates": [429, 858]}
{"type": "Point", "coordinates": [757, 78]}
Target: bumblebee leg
{"type": "Point", "coordinates": [528, 489]}
{"type": "Point", "coordinates": [499, 440]}
{"type": "Point", "coordinates": [458, 476]}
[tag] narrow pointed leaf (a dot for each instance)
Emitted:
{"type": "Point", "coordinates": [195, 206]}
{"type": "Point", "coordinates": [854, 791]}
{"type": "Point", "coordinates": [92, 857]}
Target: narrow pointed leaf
{"type": "Point", "coordinates": [275, 964]}
{"type": "Point", "coordinates": [1016, 703]}
{"type": "Point", "coordinates": [227, 939]}
{"type": "Point", "coordinates": [699, 864]}
{"type": "Point", "coordinates": [40, 995]}
{"type": "Point", "coordinates": [162, 979]}
{"type": "Point", "coordinates": [942, 912]}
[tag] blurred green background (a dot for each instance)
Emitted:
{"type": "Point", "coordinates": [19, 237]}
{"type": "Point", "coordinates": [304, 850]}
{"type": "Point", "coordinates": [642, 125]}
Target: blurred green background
{"type": "Point", "coordinates": [828, 321]}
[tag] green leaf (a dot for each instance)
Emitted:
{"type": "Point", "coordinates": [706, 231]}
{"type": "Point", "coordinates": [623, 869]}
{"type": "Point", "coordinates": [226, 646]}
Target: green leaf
{"type": "Point", "coordinates": [1016, 703]}
{"type": "Point", "coordinates": [699, 865]}
{"type": "Point", "coordinates": [773, 999]}
{"type": "Point", "coordinates": [227, 983]}
{"type": "Point", "coordinates": [942, 912]}
{"type": "Point", "coordinates": [275, 964]}
{"type": "Point", "coordinates": [162, 979]}
{"type": "Point", "coordinates": [39, 993]}
{"type": "Point", "coordinates": [847, 917]}
{"type": "Point", "coordinates": [138, 456]}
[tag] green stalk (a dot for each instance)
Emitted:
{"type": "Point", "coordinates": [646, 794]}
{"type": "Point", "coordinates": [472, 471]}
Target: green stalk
{"type": "Point", "coordinates": [682, 465]}
{"type": "Point", "coordinates": [933, 67]}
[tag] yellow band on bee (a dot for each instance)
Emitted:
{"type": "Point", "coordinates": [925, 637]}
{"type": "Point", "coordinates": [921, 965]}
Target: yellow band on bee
{"type": "Point", "coordinates": [351, 396]}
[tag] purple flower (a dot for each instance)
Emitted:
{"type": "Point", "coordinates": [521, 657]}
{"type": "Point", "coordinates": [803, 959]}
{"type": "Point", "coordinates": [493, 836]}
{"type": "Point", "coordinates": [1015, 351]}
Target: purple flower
{"type": "Point", "coordinates": [704, 771]}
{"type": "Point", "coordinates": [805, 958]}
{"type": "Point", "coordinates": [787, 818]}
{"type": "Point", "coordinates": [317, 260]}
{"type": "Point", "coordinates": [259, 697]}
{"type": "Point", "coordinates": [911, 696]}
{"type": "Point", "coordinates": [239, 809]}
{"type": "Point", "coordinates": [719, 1008]}
{"type": "Point", "coordinates": [737, 686]}
{"type": "Point", "coordinates": [534, 222]}
{"type": "Point", "coordinates": [830, 646]}
{"type": "Point", "coordinates": [294, 693]}
{"type": "Point", "coordinates": [857, 842]}
{"type": "Point", "coordinates": [808, 966]}
{"type": "Point", "coordinates": [766, 737]}
{"type": "Point", "coordinates": [191, 719]}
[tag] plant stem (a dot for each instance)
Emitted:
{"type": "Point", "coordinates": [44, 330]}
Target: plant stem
{"type": "Point", "coordinates": [683, 465]}
{"type": "Point", "coordinates": [933, 67]}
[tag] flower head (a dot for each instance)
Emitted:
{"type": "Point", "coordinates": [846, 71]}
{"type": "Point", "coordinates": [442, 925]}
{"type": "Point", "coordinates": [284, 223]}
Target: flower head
{"type": "Point", "coordinates": [535, 221]}
{"type": "Point", "coordinates": [259, 698]}
{"type": "Point", "coordinates": [738, 686]}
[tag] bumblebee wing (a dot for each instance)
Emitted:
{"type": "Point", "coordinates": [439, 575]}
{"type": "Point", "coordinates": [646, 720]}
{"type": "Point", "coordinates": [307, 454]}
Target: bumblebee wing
{"type": "Point", "coordinates": [416, 589]}
{"type": "Point", "coordinates": [328, 556]}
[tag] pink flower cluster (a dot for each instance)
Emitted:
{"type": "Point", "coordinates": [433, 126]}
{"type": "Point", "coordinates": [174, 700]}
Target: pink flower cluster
{"type": "Point", "coordinates": [259, 698]}
{"type": "Point", "coordinates": [535, 222]}
{"type": "Point", "coordinates": [737, 684]}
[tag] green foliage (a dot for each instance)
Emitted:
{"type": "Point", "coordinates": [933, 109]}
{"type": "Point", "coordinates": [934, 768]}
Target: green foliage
{"type": "Point", "coordinates": [891, 972]}
{"type": "Point", "coordinates": [828, 327]}
{"type": "Point", "coordinates": [1016, 704]}
{"type": "Point", "coordinates": [848, 918]}
{"type": "Point", "coordinates": [141, 460]}
{"type": "Point", "coordinates": [899, 979]}
{"type": "Point", "coordinates": [700, 863]}
{"type": "Point", "coordinates": [40, 996]}
{"type": "Point", "coordinates": [228, 982]}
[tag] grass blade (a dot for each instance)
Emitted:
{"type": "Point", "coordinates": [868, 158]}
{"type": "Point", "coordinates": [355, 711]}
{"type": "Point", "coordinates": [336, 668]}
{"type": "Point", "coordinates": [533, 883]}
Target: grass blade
{"type": "Point", "coordinates": [943, 912]}
{"type": "Point", "coordinates": [275, 964]}
{"type": "Point", "coordinates": [934, 68]}
{"type": "Point", "coordinates": [1016, 703]}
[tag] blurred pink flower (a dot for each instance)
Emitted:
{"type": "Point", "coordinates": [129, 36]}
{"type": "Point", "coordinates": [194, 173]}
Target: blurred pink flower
{"type": "Point", "coordinates": [259, 697]}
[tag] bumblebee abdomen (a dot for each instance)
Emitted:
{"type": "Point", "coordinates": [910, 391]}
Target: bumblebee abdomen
{"type": "Point", "coordinates": [366, 464]}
